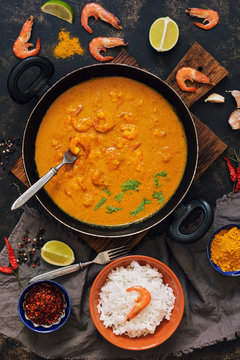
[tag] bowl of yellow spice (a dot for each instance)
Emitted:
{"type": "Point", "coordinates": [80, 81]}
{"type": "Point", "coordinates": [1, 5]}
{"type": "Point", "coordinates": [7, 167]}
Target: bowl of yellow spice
{"type": "Point", "coordinates": [224, 250]}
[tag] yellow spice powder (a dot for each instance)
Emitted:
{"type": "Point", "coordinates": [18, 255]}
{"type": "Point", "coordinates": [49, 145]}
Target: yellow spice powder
{"type": "Point", "coordinates": [225, 249]}
{"type": "Point", "coordinates": [67, 46]}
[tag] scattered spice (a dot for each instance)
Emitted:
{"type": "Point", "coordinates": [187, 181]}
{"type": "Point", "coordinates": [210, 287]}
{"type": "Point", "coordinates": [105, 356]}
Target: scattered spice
{"type": "Point", "coordinates": [7, 149]}
{"type": "Point", "coordinates": [67, 46]}
{"type": "Point", "coordinates": [225, 249]}
{"type": "Point", "coordinates": [29, 248]}
{"type": "Point", "coordinates": [44, 305]}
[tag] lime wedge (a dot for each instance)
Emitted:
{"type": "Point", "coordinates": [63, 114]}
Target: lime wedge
{"type": "Point", "coordinates": [163, 34]}
{"type": "Point", "coordinates": [57, 253]}
{"type": "Point", "coordinates": [59, 9]}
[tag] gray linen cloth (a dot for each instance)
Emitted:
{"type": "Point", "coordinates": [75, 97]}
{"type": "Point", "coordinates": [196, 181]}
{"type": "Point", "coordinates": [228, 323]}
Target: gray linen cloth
{"type": "Point", "coordinates": [212, 305]}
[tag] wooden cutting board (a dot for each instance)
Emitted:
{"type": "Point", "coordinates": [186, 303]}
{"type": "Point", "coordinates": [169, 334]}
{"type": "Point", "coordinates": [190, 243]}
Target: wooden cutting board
{"type": "Point", "coordinates": [210, 146]}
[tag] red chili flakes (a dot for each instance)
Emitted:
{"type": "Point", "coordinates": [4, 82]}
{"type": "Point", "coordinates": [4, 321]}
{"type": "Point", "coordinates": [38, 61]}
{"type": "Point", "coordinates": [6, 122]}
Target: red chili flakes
{"type": "Point", "coordinates": [44, 304]}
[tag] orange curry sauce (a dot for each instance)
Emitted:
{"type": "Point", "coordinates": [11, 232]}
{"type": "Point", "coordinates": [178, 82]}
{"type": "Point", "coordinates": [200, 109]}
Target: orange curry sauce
{"type": "Point", "coordinates": [131, 150]}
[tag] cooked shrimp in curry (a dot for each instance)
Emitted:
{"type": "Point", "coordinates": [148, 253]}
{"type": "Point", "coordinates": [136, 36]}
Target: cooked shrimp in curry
{"type": "Point", "coordinates": [96, 10]}
{"type": "Point", "coordinates": [142, 301]}
{"type": "Point", "coordinates": [79, 124]}
{"type": "Point", "coordinates": [21, 45]}
{"type": "Point", "coordinates": [101, 43]}
{"type": "Point", "coordinates": [78, 143]}
{"type": "Point", "coordinates": [187, 73]}
{"type": "Point", "coordinates": [131, 155]}
{"type": "Point", "coordinates": [209, 16]}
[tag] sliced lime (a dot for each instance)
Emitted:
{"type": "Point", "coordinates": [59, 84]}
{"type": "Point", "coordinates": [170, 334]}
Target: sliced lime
{"type": "Point", "coordinates": [57, 253]}
{"type": "Point", "coordinates": [163, 34]}
{"type": "Point", "coordinates": [59, 9]}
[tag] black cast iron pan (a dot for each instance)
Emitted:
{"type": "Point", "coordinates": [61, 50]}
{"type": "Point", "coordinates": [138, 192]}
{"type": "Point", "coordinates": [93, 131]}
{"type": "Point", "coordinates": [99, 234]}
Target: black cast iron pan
{"type": "Point", "coordinates": [74, 78]}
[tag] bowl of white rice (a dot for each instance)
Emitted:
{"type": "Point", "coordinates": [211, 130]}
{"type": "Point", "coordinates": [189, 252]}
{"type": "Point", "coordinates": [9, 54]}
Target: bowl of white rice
{"type": "Point", "coordinates": [136, 282]}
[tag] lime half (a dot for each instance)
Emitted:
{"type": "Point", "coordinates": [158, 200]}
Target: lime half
{"type": "Point", "coordinates": [163, 34]}
{"type": "Point", "coordinates": [59, 9]}
{"type": "Point", "coordinates": [57, 253]}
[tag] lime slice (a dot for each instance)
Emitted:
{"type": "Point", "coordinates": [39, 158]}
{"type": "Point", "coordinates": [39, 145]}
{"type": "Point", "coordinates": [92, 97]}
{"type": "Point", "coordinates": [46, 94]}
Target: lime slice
{"type": "Point", "coordinates": [163, 34]}
{"type": "Point", "coordinates": [59, 9]}
{"type": "Point", "coordinates": [57, 253]}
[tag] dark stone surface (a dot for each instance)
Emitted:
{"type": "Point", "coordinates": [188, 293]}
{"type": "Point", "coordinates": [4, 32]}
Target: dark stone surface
{"type": "Point", "coordinates": [136, 17]}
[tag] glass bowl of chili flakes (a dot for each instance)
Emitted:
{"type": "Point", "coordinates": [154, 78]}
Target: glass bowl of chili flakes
{"type": "Point", "coordinates": [223, 250]}
{"type": "Point", "coordinates": [44, 306]}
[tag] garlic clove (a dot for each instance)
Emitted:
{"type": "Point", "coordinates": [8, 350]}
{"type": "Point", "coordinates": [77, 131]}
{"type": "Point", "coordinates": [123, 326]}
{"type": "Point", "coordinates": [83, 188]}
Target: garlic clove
{"type": "Point", "coordinates": [215, 98]}
{"type": "Point", "coordinates": [234, 120]}
{"type": "Point", "coordinates": [236, 95]}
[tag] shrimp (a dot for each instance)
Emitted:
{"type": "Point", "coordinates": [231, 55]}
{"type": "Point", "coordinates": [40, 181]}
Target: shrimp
{"type": "Point", "coordinates": [81, 141]}
{"type": "Point", "coordinates": [210, 16]}
{"type": "Point", "coordinates": [101, 43]}
{"type": "Point", "coordinates": [103, 122]}
{"type": "Point", "coordinates": [98, 178]}
{"type": "Point", "coordinates": [187, 73]}
{"type": "Point", "coordinates": [80, 124]}
{"type": "Point", "coordinates": [142, 301]}
{"type": "Point", "coordinates": [129, 131]}
{"type": "Point", "coordinates": [96, 10]}
{"type": "Point", "coordinates": [20, 47]}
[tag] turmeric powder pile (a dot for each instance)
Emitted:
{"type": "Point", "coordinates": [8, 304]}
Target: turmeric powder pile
{"type": "Point", "coordinates": [67, 46]}
{"type": "Point", "coordinates": [225, 249]}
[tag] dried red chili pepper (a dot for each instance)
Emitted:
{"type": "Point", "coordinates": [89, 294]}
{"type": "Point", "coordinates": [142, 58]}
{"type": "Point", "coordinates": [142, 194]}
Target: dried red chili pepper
{"type": "Point", "coordinates": [6, 269]}
{"type": "Point", "coordinates": [13, 261]}
{"type": "Point", "coordinates": [232, 171]}
{"type": "Point", "coordinates": [237, 188]}
{"type": "Point", "coordinates": [11, 255]}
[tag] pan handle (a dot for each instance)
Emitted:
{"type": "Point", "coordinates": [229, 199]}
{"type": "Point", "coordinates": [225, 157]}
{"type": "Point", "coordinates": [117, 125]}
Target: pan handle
{"type": "Point", "coordinates": [182, 213]}
{"type": "Point", "coordinates": [46, 71]}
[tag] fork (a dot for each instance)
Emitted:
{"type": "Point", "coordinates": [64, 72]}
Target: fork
{"type": "Point", "coordinates": [68, 158]}
{"type": "Point", "coordinates": [102, 258]}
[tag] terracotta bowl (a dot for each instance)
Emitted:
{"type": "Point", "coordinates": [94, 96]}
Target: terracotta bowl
{"type": "Point", "coordinates": [166, 327]}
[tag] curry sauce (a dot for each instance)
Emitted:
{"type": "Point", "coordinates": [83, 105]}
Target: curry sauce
{"type": "Point", "coordinates": [131, 150]}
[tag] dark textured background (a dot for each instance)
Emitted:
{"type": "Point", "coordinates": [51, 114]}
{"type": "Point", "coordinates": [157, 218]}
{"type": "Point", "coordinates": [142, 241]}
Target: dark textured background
{"type": "Point", "coordinates": [136, 17]}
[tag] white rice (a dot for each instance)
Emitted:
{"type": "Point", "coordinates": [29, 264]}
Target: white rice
{"type": "Point", "coordinates": [115, 302]}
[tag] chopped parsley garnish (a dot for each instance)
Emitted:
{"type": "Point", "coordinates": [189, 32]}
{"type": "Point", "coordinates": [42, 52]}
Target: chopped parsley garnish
{"type": "Point", "coordinates": [107, 191]}
{"type": "Point", "coordinates": [130, 185]}
{"type": "Point", "coordinates": [101, 202]}
{"type": "Point", "coordinates": [127, 186]}
{"type": "Point", "coordinates": [140, 207]}
{"type": "Point", "coordinates": [158, 195]}
{"type": "Point", "coordinates": [119, 196]}
{"type": "Point", "coordinates": [156, 177]}
{"type": "Point", "coordinates": [111, 209]}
